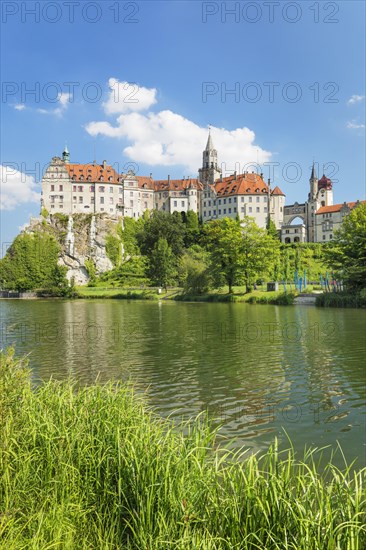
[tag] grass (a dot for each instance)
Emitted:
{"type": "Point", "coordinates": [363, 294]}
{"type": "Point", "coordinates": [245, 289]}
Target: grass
{"type": "Point", "coordinates": [93, 468]}
{"type": "Point", "coordinates": [341, 299]}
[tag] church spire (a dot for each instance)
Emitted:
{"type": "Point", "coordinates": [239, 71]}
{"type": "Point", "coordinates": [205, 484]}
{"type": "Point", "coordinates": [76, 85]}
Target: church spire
{"type": "Point", "coordinates": [210, 170]}
{"type": "Point", "coordinates": [210, 145]}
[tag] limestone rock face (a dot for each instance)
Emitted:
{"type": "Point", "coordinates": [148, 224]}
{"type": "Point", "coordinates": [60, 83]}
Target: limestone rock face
{"type": "Point", "coordinates": [82, 238]}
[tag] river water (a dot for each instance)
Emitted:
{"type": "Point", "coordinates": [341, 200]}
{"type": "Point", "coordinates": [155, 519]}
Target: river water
{"type": "Point", "coordinates": [259, 371]}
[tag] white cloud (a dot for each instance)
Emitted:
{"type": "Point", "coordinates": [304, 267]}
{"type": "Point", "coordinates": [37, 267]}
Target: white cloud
{"type": "Point", "coordinates": [168, 139]}
{"type": "Point", "coordinates": [354, 125]}
{"type": "Point", "coordinates": [16, 188]}
{"type": "Point", "coordinates": [355, 99]}
{"type": "Point", "coordinates": [125, 97]}
{"type": "Point", "coordinates": [19, 107]}
{"type": "Point", "coordinates": [63, 101]}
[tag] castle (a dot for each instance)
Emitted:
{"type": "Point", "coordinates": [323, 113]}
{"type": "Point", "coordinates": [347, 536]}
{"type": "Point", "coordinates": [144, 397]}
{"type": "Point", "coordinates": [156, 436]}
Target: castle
{"type": "Point", "coordinates": [71, 188]}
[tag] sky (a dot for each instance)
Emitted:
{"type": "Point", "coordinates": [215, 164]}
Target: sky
{"type": "Point", "coordinates": [282, 85]}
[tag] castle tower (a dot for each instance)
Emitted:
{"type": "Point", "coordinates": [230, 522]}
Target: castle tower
{"type": "Point", "coordinates": [66, 155]}
{"type": "Point", "coordinates": [210, 170]}
{"type": "Point", "coordinates": [313, 184]}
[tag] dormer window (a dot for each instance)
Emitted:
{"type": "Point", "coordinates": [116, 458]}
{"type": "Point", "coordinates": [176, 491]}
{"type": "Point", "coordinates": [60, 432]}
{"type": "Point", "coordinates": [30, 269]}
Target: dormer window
{"type": "Point", "coordinates": [257, 190]}
{"type": "Point", "coordinates": [248, 190]}
{"type": "Point", "coordinates": [101, 178]}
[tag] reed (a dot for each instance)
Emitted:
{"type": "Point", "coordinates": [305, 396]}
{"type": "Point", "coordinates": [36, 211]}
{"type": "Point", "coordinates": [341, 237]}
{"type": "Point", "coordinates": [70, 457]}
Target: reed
{"type": "Point", "coordinates": [94, 468]}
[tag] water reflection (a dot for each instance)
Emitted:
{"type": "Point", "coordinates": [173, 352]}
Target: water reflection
{"type": "Point", "coordinates": [254, 369]}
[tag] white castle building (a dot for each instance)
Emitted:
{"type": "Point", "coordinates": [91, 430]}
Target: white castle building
{"type": "Point", "coordinates": [71, 188]}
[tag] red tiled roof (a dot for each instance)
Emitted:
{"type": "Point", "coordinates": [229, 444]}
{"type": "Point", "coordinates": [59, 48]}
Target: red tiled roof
{"type": "Point", "coordinates": [324, 183]}
{"type": "Point", "coordinates": [177, 185]}
{"type": "Point", "coordinates": [336, 207]}
{"type": "Point", "coordinates": [243, 184]}
{"type": "Point", "coordinates": [145, 182]}
{"type": "Point", "coordinates": [81, 172]}
{"type": "Point", "coordinates": [277, 191]}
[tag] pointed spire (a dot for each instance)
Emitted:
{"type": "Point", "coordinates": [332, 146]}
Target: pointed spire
{"type": "Point", "coordinates": [66, 155]}
{"type": "Point", "coordinates": [209, 145]}
{"type": "Point", "coordinates": [313, 173]}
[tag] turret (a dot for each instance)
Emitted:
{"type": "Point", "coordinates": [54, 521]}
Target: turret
{"type": "Point", "coordinates": [66, 155]}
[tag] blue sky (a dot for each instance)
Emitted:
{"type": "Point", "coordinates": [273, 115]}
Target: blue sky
{"type": "Point", "coordinates": [149, 77]}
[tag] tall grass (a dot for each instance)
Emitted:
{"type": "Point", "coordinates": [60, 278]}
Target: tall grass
{"type": "Point", "coordinates": [341, 299]}
{"type": "Point", "coordinates": [92, 468]}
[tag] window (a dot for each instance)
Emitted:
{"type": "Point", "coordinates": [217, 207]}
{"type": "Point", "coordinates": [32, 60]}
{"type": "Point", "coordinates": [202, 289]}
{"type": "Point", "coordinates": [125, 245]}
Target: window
{"type": "Point", "coordinates": [229, 210]}
{"type": "Point", "coordinates": [60, 187]}
{"type": "Point", "coordinates": [131, 204]}
{"type": "Point", "coordinates": [92, 199]}
{"type": "Point", "coordinates": [324, 237]}
{"type": "Point", "coordinates": [80, 200]}
{"type": "Point", "coordinates": [331, 236]}
{"type": "Point", "coordinates": [250, 199]}
{"type": "Point", "coordinates": [214, 212]}
{"type": "Point", "coordinates": [229, 199]}
{"type": "Point", "coordinates": [101, 189]}
{"type": "Point", "coordinates": [242, 199]}
{"type": "Point", "coordinates": [287, 231]}
{"type": "Point", "coordinates": [219, 201]}
{"type": "Point", "coordinates": [182, 203]}
{"type": "Point", "coordinates": [265, 209]}
{"type": "Point", "coordinates": [52, 187]}
{"type": "Point", "coordinates": [224, 201]}
{"type": "Point", "coordinates": [258, 209]}
{"type": "Point", "coordinates": [110, 200]}
{"type": "Point", "coordinates": [224, 210]}
{"type": "Point", "coordinates": [242, 208]}
{"type": "Point", "coordinates": [111, 189]}
{"type": "Point", "coordinates": [74, 188]}
{"type": "Point", "coordinates": [120, 190]}
{"type": "Point", "coordinates": [175, 203]}
{"type": "Point", "coordinates": [204, 203]}
{"type": "Point", "coordinates": [234, 208]}
{"type": "Point", "coordinates": [74, 199]}
{"type": "Point", "coordinates": [131, 193]}
{"type": "Point", "coordinates": [209, 213]}
{"type": "Point", "coordinates": [52, 206]}
{"type": "Point", "coordinates": [258, 199]}
{"type": "Point", "coordinates": [92, 189]}
{"type": "Point", "coordinates": [101, 200]}
{"type": "Point", "coordinates": [52, 198]}
{"type": "Point", "coordinates": [250, 208]}
{"type": "Point", "coordinates": [145, 205]}
{"type": "Point", "coordinates": [219, 212]}
{"type": "Point", "coordinates": [80, 188]}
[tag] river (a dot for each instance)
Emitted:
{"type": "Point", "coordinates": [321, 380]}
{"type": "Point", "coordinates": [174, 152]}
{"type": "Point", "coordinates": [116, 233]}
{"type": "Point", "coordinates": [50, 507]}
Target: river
{"type": "Point", "coordinates": [259, 371]}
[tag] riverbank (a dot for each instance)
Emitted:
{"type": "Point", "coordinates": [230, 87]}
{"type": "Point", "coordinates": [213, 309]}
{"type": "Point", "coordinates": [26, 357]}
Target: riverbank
{"type": "Point", "coordinates": [92, 467]}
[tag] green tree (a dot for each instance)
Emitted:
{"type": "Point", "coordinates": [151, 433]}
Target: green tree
{"type": "Point", "coordinates": [225, 243]}
{"type": "Point", "coordinates": [260, 251]}
{"type": "Point", "coordinates": [194, 271]}
{"type": "Point", "coordinates": [162, 269]}
{"type": "Point", "coordinates": [192, 229]}
{"type": "Point", "coordinates": [346, 254]}
{"type": "Point", "coordinates": [162, 225]}
{"type": "Point", "coordinates": [32, 263]}
{"type": "Point", "coordinates": [271, 229]}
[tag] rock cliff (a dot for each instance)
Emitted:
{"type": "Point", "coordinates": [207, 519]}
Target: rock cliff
{"type": "Point", "coordinates": [82, 239]}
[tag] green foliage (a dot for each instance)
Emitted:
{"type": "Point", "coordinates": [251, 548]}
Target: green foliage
{"type": "Point", "coordinates": [192, 229]}
{"type": "Point", "coordinates": [225, 243]}
{"type": "Point", "coordinates": [194, 272]}
{"type": "Point", "coordinates": [162, 268]}
{"type": "Point", "coordinates": [44, 213]}
{"type": "Point", "coordinates": [62, 218]}
{"type": "Point", "coordinates": [128, 235]}
{"type": "Point", "coordinates": [31, 263]}
{"type": "Point", "coordinates": [346, 254]}
{"type": "Point", "coordinates": [260, 251]}
{"type": "Point", "coordinates": [91, 467]}
{"type": "Point", "coordinates": [283, 299]}
{"type": "Point", "coordinates": [113, 249]}
{"type": "Point", "coordinates": [90, 267]}
{"type": "Point", "coordinates": [271, 229]}
{"type": "Point", "coordinates": [341, 299]}
{"type": "Point", "coordinates": [162, 226]}
{"type": "Point", "coordinates": [301, 256]}
{"type": "Point", "coordinates": [132, 272]}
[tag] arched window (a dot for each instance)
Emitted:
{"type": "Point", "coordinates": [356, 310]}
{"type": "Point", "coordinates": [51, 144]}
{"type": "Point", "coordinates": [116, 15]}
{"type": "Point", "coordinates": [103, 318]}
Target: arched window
{"type": "Point", "coordinates": [287, 240]}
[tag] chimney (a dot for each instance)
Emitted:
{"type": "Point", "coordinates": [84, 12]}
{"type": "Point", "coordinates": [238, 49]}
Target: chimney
{"type": "Point", "coordinates": [269, 182]}
{"type": "Point", "coordinates": [151, 175]}
{"type": "Point", "coordinates": [221, 177]}
{"type": "Point", "coordinates": [168, 178]}
{"type": "Point", "coordinates": [262, 175]}
{"type": "Point", "coordinates": [235, 175]}
{"type": "Point", "coordinates": [104, 164]}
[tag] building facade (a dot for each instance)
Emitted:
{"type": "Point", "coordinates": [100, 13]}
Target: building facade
{"type": "Point", "coordinates": [72, 188]}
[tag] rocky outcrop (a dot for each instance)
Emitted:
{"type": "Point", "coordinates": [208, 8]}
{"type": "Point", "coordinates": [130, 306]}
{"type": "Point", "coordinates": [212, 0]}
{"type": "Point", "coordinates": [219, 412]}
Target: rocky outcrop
{"type": "Point", "coordinates": [82, 239]}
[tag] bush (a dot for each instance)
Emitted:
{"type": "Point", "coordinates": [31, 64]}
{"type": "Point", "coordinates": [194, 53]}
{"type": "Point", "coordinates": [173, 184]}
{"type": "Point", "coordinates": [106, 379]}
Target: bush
{"type": "Point", "coordinates": [341, 299]}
